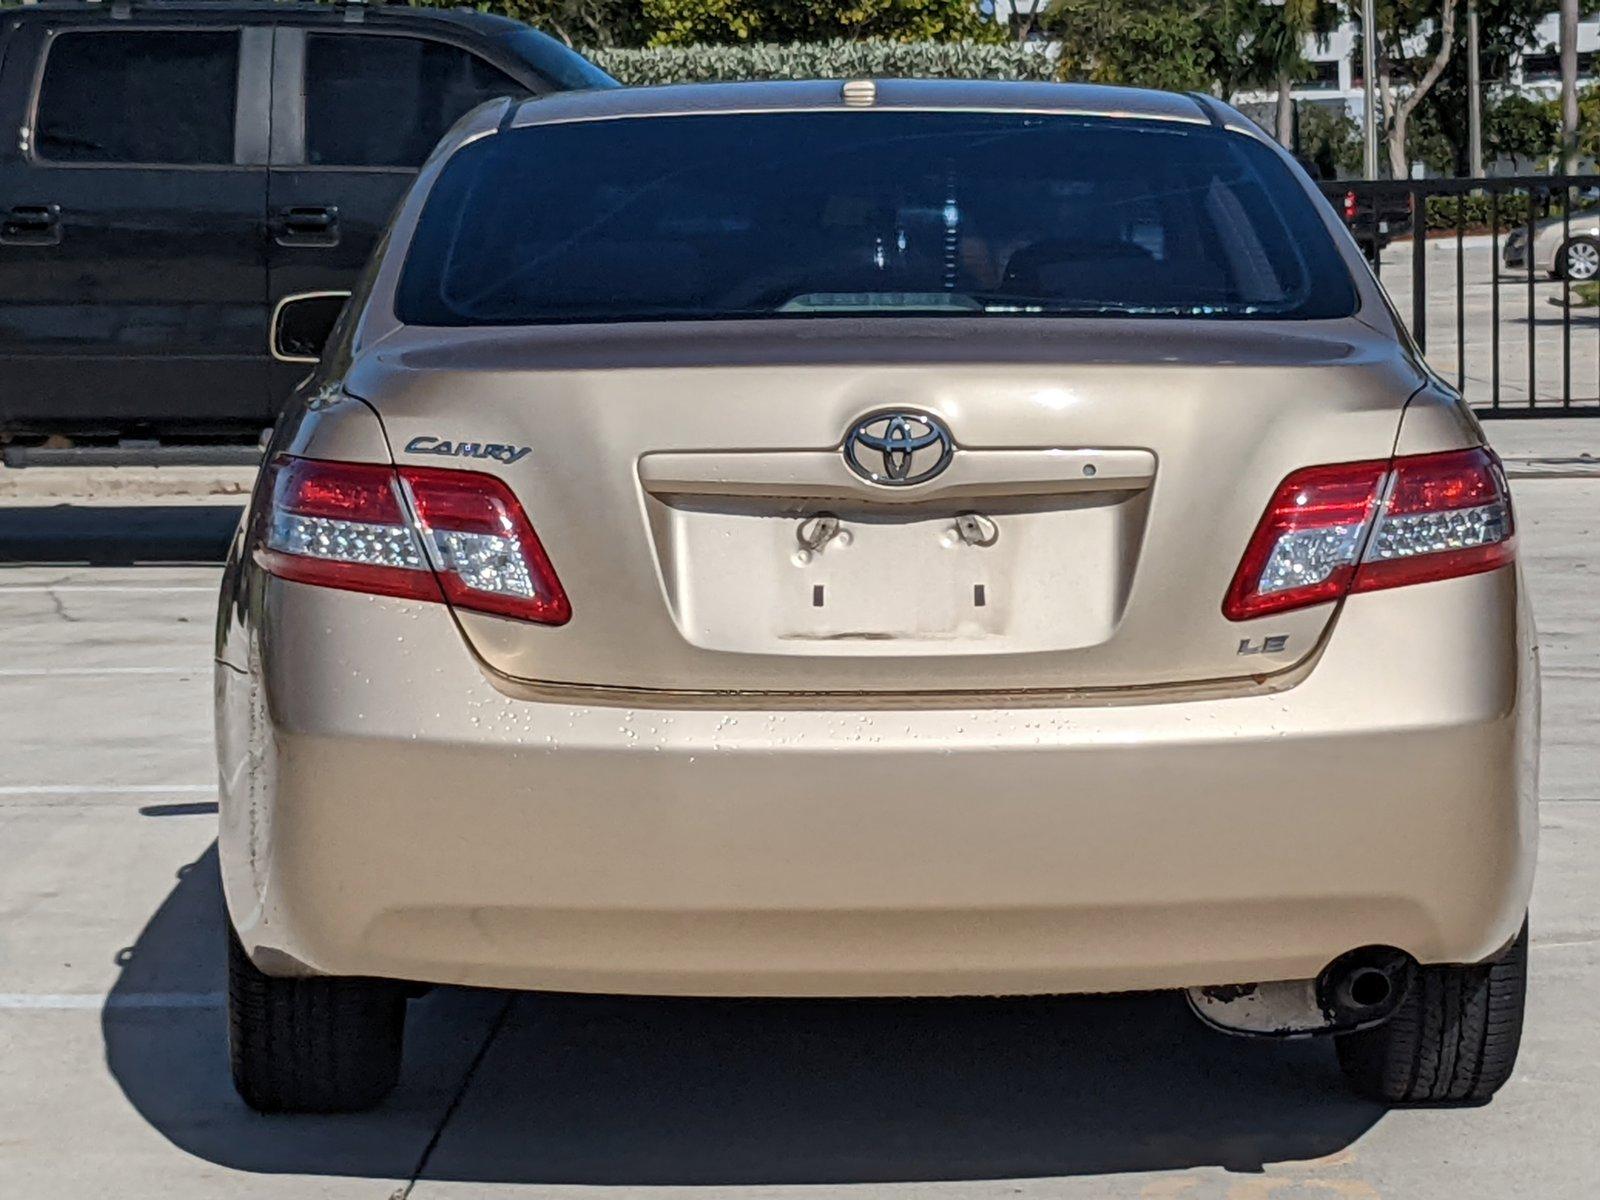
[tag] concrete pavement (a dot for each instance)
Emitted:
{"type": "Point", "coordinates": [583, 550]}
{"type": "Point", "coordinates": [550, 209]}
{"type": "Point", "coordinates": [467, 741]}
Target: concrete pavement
{"type": "Point", "coordinates": [112, 1068]}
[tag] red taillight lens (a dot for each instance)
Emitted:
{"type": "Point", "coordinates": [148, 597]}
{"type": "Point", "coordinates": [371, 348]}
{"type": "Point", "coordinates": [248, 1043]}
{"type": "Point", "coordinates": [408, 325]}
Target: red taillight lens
{"type": "Point", "coordinates": [1307, 545]}
{"type": "Point", "coordinates": [1445, 515]}
{"type": "Point", "coordinates": [1369, 525]}
{"type": "Point", "coordinates": [1349, 206]}
{"type": "Point", "coordinates": [486, 552]}
{"type": "Point", "coordinates": [417, 533]}
{"type": "Point", "coordinates": [343, 525]}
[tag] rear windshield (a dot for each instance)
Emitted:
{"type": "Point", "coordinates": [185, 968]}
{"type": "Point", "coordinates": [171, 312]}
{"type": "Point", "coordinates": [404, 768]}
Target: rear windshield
{"type": "Point", "coordinates": [882, 214]}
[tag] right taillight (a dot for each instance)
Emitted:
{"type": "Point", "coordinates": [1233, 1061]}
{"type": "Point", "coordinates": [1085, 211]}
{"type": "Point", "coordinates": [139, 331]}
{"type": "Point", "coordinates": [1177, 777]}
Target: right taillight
{"type": "Point", "coordinates": [1443, 515]}
{"type": "Point", "coordinates": [1359, 527]}
{"type": "Point", "coordinates": [417, 533]}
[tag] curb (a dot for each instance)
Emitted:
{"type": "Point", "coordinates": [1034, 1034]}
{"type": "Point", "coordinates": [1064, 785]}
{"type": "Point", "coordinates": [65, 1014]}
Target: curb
{"type": "Point", "coordinates": [117, 485]}
{"type": "Point", "coordinates": [1582, 467]}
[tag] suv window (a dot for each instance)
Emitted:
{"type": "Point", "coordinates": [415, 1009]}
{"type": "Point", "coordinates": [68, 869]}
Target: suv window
{"type": "Point", "coordinates": [871, 214]}
{"type": "Point", "coordinates": [139, 96]}
{"type": "Point", "coordinates": [375, 100]}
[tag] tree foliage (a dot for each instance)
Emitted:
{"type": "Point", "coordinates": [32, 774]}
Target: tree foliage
{"type": "Point", "coordinates": [1513, 124]}
{"type": "Point", "coordinates": [1331, 139]}
{"type": "Point", "coordinates": [1526, 129]}
{"type": "Point", "coordinates": [1517, 127]}
{"type": "Point", "coordinates": [590, 23]}
{"type": "Point", "coordinates": [730, 22]}
{"type": "Point", "coordinates": [1274, 48]}
{"type": "Point", "coordinates": [1405, 76]}
{"type": "Point", "coordinates": [1181, 45]}
{"type": "Point", "coordinates": [581, 23]}
{"type": "Point", "coordinates": [1217, 46]}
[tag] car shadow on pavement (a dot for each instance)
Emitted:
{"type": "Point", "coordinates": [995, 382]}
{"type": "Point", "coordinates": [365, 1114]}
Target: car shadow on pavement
{"type": "Point", "coordinates": [116, 535]}
{"type": "Point", "coordinates": [1552, 318]}
{"type": "Point", "coordinates": [620, 1090]}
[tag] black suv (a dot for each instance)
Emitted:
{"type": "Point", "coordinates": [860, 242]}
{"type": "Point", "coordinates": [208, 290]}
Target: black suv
{"type": "Point", "coordinates": [172, 171]}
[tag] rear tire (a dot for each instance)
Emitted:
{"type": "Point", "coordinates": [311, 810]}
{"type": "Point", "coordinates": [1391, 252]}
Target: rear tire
{"type": "Point", "coordinates": [1454, 1038]}
{"type": "Point", "coordinates": [311, 1045]}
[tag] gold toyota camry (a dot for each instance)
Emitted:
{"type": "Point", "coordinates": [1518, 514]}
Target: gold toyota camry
{"type": "Point", "coordinates": [874, 539]}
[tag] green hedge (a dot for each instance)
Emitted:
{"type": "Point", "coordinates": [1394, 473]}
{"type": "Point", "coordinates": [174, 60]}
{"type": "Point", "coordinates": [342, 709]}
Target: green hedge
{"type": "Point", "coordinates": [1474, 210]}
{"type": "Point", "coordinates": [824, 60]}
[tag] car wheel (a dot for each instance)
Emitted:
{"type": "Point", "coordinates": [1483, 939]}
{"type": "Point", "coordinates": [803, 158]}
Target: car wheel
{"type": "Point", "coordinates": [1580, 259]}
{"type": "Point", "coordinates": [1454, 1038]}
{"type": "Point", "coordinates": [311, 1045]}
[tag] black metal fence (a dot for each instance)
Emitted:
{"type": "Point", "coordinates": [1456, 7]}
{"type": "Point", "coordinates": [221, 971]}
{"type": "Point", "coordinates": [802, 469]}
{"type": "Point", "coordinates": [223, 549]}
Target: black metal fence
{"type": "Point", "coordinates": [1498, 278]}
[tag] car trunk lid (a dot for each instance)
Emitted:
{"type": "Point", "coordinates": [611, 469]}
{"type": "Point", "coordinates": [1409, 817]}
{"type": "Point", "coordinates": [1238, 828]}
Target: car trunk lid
{"type": "Point", "coordinates": [689, 485]}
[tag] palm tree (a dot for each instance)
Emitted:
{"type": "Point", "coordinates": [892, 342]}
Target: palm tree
{"type": "Point", "coordinates": [1280, 31]}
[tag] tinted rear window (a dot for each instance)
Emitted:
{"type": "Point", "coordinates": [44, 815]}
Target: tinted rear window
{"type": "Point", "coordinates": [139, 96]}
{"type": "Point", "coordinates": [382, 100]}
{"type": "Point", "coordinates": [887, 213]}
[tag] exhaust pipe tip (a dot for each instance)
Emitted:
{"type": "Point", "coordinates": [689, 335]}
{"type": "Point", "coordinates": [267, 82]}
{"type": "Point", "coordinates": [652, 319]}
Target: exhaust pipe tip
{"type": "Point", "coordinates": [1357, 990]}
{"type": "Point", "coordinates": [1364, 986]}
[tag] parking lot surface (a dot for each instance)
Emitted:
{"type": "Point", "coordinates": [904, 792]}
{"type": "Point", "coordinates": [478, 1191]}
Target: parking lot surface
{"type": "Point", "coordinates": [113, 1078]}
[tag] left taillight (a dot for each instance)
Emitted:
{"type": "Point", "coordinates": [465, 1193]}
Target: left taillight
{"type": "Point", "coordinates": [1364, 526]}
{"type": "Point", "coordinates": [420, 534]}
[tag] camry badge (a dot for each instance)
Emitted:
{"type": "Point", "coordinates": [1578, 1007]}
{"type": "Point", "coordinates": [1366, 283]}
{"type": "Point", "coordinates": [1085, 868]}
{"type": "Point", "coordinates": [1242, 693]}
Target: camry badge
{"type": "Point", "coordinates": [898, 448]}
{"type": "Point", "coordinates": [424, 444]}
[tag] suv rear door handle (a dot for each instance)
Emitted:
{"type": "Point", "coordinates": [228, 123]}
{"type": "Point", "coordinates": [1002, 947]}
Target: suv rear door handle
{"type": "Point", "coordinates": [308, 225]}
{"type": "Point", "coordinates": [31, 225]}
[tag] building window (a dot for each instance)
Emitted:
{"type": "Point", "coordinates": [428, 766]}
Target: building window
{"type": "Point", "coordinates": [1541, 67]}
{"type": "Point", "coordinates": [1324, 76]}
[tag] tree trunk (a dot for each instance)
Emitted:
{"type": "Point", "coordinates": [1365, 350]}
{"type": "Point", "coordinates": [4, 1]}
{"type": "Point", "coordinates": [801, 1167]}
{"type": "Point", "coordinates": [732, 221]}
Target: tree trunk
{"type": "Point", "coordinates": [1285, 110]}
{"type": "Point", "coordinates": [1569, 85]}
{"type": "Point", "coordinates": [1405, 105]}
{"type": "Point", "coordinates": [1386, 122]}
{"type": "Point", "coordinates": [1474, 94]}
{"type": "Point", "coordinates": [1399, 167]}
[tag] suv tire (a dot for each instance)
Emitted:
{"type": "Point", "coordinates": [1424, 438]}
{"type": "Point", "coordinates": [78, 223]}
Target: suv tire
{"type": "Point", "coordinates": [311, 1045]}
{"type": "Point", "coordinates": [1454, 1038]}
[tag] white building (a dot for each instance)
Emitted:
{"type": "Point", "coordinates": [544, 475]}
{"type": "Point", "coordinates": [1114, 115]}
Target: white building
{"type": "Point", "coordinates": [1337, 65]}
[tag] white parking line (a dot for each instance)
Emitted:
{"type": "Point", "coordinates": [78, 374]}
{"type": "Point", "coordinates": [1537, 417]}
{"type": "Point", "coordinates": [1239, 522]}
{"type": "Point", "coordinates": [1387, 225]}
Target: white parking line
{"type": "Point", "coordinates": [113, 789]}
{"type": "Point", "coordinates": [81, 1001]}
{"type": "Point", "coordinates": [32, 672]}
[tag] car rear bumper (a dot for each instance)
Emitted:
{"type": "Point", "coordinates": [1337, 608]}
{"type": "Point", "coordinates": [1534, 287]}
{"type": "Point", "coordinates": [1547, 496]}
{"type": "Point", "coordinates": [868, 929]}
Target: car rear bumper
{"type": "Point", "coordinates": [1514, 252]}
{"type": "Point", "coordinates": [404, 817]}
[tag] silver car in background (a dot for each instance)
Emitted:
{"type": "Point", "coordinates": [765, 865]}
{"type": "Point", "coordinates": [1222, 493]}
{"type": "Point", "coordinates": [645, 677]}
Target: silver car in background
{"type": "Point", "coordinates": [1562, 247]}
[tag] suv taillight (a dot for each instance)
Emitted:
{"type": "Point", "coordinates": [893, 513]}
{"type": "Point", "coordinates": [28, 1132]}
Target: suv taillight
{"type": "Point", "coordinates": [1349, 206]}
{"type": "Point", "coordinates": [417, 533]}
{"type": "Point", "coordinates": [1359, 527]}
